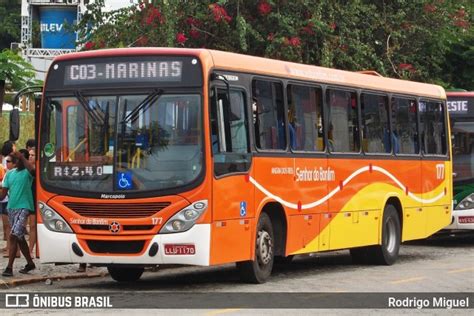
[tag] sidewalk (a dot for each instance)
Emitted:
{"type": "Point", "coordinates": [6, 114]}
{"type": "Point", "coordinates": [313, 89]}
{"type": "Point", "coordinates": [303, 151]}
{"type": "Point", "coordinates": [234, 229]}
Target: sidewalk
{"type": "Point", "coordinates": [43, 272]}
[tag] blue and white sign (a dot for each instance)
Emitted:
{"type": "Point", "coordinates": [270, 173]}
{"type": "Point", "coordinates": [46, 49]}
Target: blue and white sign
{"type": "Point", "coordinates": [243, 208]}
{"type": "Point", "coordinates": [56, 27]}
{"type": "Point", "coordinates": [124, 180]}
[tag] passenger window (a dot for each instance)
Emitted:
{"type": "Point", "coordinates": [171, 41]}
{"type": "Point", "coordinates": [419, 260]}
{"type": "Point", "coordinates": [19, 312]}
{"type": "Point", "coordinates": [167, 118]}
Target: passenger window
{"type": "Point", "coordinates": [404, 125]}
{"type": "Point", "coordinates": [268, 115]}
{"type": "Point", "coordinates": [432, 128]}
{"type": "Point", "coordinates": [375, 128]}
{"type": "Point", "coordinates": [305, 118]}
{"type": "Point", "coordinates": [229, 132]}
{"type": "Point", "coordinates": [343, 130]}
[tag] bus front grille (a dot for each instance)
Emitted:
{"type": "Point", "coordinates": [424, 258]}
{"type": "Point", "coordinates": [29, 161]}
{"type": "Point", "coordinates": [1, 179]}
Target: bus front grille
{"type": "Point", "coordinates": [112, 210]}
{"type": "Point", "coordinates": [124, 227]}
{"type": "Point", "coordinates": [116, 247]}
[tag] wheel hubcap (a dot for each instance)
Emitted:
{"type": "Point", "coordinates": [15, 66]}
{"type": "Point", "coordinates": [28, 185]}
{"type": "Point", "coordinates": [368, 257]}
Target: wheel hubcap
{"type": "Point", "coordinates": [390, 237]}
{"type": "Point", "coordinates": [264, 247]}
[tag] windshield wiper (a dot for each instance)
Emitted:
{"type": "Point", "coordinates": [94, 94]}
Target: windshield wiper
{"type": "Point", "coordinates": [85, 104]}
{"type": "Point", "coordinates": [144, 105]}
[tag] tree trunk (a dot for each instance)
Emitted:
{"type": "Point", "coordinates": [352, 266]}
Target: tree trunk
{"type": "Point", "coordinates": [2, 94]}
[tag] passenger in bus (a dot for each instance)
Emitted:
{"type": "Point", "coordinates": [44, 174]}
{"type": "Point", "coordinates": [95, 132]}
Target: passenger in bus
{"type": "Point", "coordinates": [389, 142]}
{"type": "Point", "coordinates": [291, 129]}
{"type": "Point", "coordinates": [17, 183]}
{"type": "Point", "coordinates": [331, 145]}
{"type": "Point", "coordinates": [256, 110]}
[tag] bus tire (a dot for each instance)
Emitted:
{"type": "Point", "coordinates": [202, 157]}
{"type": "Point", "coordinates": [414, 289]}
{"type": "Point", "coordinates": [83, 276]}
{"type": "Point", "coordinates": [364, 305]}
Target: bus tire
{"type": "Point", "coordinates": [125, 274]}
{"type": "Point", "coordinates": [259, 270]}
{"type": "Point", "coordinates": [283, 259]}
{"type": "Point", "coordinates": [387, 252]}
{"type": "Point", "coordinates": [359, 255]}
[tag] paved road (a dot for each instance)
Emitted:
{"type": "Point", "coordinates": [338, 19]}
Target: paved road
{"type": "Point", "coordinates": [440, 264]}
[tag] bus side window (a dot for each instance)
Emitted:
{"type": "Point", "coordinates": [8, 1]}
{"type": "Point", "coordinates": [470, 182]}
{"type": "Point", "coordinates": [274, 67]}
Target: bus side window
{"type": "Point", "coordinates": [433, 128]}
{"type": "Point", "coordinates": [343, 121]}
{"type": "Point", "coordinates": [376, 134]}
{"type": "Point", "coordinates": [269, 113]}
{"type": "Point", "coordinates": [404, 125]}
{"type": "Point", "coordinates": [305, 117]}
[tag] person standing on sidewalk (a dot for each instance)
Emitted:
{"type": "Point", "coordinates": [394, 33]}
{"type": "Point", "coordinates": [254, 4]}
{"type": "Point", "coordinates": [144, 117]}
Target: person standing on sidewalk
{"type": "Point", "coordinates": [32, 217]}
{"type": "Point", "coordinates": [7, 148]}
{"type": "Point", "coordinates": [30, 144]}
{"type": "Point", "coordinates": [17, 183]}
{"type": "Point", "coordinates": [3, 203]}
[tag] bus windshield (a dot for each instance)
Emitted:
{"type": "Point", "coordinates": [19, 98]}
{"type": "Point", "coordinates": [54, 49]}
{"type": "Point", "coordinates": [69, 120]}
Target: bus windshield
{"type": "Point", "coordinates": [463, 149]}
{"type": "Point", "coordinates": [461, 114]}
{"type": "Point", "coordinates": [118, 143]}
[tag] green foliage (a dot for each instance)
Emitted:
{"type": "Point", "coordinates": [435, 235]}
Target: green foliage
{"type": "Point", "coordinates": [10, 22]}
{"type": "Point", "coordinates": [15, 70]}
{"type": "Point", "coordinates": [27, 123]}
{"type": "Point", "coordinates": [418, 40]}
{"type": "Point", "coordinates": [460, 58]}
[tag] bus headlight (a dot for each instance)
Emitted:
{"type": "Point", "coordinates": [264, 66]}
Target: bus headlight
{"type": "Point", "coordinates": [185, 219]}
{"type": "Point", "coordinates": [466, 203]}
{"type": "Point", "coordinates": [52, 220]}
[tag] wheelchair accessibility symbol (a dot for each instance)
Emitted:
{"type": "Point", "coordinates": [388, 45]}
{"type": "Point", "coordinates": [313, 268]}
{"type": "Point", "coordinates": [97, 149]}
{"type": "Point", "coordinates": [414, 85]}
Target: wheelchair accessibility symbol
{"type": "Point", "coordinates": [243, 208]}
{"type": "Point", "coordinates": [124, 180]}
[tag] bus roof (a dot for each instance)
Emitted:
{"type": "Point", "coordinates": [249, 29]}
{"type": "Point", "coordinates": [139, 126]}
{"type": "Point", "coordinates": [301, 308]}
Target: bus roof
{"type": "Point", "coordinates": [460, 94]}
{"type": "Point", "coordinates": [257, 65]}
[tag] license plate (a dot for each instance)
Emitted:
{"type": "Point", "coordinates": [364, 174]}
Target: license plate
{"type": "Point", "coordinates": [181, 249]}
{"type": "Point", "coordinates": [466, 219]}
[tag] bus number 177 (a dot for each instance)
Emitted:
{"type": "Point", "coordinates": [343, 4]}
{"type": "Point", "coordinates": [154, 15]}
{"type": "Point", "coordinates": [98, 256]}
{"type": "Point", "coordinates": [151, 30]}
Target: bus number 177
{"type": "Point", "coordinates": [156, 220]}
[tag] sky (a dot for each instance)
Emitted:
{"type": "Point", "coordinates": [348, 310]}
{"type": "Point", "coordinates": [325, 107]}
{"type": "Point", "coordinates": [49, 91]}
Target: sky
{"type": "Point", "coordinates": [117, 4]}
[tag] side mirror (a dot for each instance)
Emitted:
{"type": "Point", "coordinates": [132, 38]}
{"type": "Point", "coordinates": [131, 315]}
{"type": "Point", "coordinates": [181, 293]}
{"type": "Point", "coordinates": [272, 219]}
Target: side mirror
{"type": "Point", "coordinates": [15, 113]}
{"type": "Point", "coordinates": [14, 125]}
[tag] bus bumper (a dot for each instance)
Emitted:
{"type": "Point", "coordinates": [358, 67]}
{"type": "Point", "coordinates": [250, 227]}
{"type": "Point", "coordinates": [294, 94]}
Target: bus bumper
{"type": "Point", "coordinates": [57, 247]}
{"type": "Point", "coordinates": [462, 219]}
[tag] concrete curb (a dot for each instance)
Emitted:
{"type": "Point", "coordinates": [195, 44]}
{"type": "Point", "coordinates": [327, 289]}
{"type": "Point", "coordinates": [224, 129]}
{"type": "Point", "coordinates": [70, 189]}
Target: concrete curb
{"type": "Point", "coordinates": [7, 283]}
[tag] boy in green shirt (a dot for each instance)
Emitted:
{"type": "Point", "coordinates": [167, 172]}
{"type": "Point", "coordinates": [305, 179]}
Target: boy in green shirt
{"type": "Point", "coordinates": [17, 182]}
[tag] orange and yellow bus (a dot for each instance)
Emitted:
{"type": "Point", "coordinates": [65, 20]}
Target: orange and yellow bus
{"type": "Point", "coordinates": [155, 156]}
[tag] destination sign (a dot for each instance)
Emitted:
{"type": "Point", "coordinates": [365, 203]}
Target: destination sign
{"type": "Point", "coordinates": [460, 106]}
{"type": "Point", "coordinates": [123, 71]}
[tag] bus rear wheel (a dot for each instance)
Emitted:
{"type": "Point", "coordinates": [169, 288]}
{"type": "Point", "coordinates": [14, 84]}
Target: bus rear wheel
{"type": "Point", "coordinates": [387, 252]}
{"type": "Point", "coordinates": [260, 269]}
{"type": "Point", "coordinates": [125, 274]}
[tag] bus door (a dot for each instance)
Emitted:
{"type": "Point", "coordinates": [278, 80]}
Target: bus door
{"type": "Point", "coordinates": [232, 192]}
{"type": "Point", "coordinates": [436, 171]}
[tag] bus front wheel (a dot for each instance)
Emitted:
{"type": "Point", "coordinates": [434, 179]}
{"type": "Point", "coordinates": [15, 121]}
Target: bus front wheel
{"type": "Point", "coordinates": [125, 274]}
{"type": "Point", "coordinates": [260, 269]}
